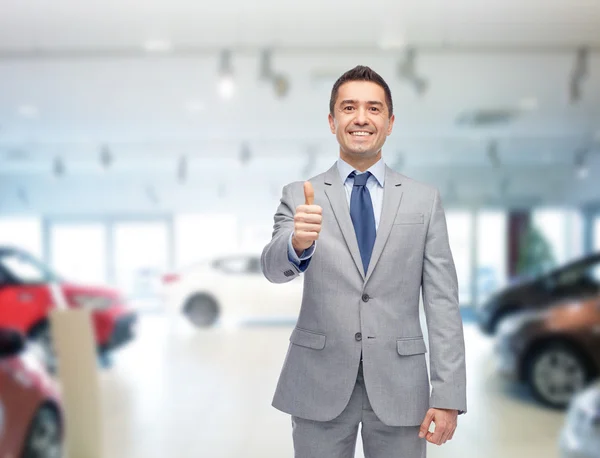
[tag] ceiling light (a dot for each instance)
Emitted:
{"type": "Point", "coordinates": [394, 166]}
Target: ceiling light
{"type": "Point", "coordinates": [157, 46]}
{"type": "Point", "coordinates": [28, 111]}
{"type": "Point", "coordinates": [226, 82]}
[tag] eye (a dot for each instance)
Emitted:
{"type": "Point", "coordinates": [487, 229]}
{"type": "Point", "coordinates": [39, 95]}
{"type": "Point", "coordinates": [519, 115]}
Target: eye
{"type": "Point", "coordinates": [348, 108]}
{"type": "Point", "coordinates": [374, 109]}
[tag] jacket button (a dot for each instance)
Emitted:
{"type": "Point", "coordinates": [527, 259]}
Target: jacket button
{"type": "Point", "coordinates": [365, 298]}
{"type": "Point", "coordinates": [358, 336]}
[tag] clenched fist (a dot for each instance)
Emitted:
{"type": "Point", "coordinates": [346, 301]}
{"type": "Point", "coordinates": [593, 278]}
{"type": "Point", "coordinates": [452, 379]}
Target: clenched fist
{"type": "Point", "coordinates": [307, 221]}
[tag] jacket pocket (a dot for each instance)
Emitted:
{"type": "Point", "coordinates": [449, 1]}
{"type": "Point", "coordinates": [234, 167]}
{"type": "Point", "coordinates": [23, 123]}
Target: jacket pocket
{"type": "Point", "coordinates": [409, 218]}
{"type": "Point", "coordinates": [411, 346]}
{"type": "Point", "coordinates": [309, 339]}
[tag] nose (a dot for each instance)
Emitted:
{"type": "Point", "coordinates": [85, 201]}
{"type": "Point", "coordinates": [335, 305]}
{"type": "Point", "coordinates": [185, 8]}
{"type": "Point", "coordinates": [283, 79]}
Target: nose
{"type": "Point", "coordinates": [361, 117]}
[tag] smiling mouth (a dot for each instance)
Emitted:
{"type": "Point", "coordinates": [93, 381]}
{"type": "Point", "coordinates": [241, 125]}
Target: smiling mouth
{"type": "Point", "coordinates": [361, 134]}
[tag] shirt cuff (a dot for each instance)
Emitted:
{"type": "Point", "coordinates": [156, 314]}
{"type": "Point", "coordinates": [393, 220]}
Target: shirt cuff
{"type": "Point", "coordinates": [304, 256]}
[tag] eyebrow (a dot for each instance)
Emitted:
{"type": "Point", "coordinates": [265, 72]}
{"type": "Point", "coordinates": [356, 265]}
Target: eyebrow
{"type": "Point", "coordinates": [370, 102]}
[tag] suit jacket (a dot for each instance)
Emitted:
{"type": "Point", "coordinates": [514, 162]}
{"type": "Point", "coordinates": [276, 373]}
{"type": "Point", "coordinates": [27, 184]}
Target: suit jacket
{"type": "Point", "coordinates": [345, 312]}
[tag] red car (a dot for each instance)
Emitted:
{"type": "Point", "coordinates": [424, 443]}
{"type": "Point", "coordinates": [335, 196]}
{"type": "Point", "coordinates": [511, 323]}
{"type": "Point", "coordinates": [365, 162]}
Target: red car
{"type": "Point", "coordinates": [28, 291]}
{"type": "Point", "coordinates": [31, 417]}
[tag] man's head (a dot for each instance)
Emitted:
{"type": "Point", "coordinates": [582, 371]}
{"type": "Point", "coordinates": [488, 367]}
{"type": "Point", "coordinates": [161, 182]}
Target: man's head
{"type": "Point", "coordinates": [361, 113]}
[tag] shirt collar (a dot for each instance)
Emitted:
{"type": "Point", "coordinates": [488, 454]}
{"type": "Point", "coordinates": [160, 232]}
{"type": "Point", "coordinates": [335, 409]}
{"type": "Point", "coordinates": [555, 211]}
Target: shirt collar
{"type": "Point", "coordinates": [377, 170]}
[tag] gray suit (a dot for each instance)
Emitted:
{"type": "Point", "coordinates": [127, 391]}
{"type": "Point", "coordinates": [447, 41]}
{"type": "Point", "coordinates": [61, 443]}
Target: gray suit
{"type": "Point", "coordinates": [345, 312]}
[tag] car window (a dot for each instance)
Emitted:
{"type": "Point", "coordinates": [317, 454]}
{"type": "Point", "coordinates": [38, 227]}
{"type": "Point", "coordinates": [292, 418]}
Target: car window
{"type": "Point", "coordinates": [26, 269]}
{"type": "Point", "coordinates": [575, 275]}
{"type": "Point", "coordinates": [233, 265]}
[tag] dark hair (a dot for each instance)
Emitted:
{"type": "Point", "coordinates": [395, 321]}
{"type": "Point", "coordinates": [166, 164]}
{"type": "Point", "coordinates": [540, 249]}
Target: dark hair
{"type": "Point", "coordinates": [361, 73]}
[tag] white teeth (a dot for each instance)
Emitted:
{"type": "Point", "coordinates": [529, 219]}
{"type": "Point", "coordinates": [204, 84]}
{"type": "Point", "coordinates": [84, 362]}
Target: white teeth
{"type": "Point", "coordinates": [360, 133]}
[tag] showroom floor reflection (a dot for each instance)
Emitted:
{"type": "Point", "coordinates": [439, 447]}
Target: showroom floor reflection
{"type": "Point", "coordinates": [178, 391]}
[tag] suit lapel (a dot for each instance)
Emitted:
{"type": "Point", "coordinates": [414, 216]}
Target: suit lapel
{"type": "Point", "coordinates": [392, 195]}
{"type": "Point", "coordinates": [334, 189]}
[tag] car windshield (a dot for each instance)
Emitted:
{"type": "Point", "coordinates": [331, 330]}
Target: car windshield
{"type": "Point", "coordinates": [26, 269]}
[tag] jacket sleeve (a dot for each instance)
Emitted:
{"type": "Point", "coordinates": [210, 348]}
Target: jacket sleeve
{"type": "Point", "coordinates": [275, 261]}
{"type": "Point", "coordinates": [440, 300]}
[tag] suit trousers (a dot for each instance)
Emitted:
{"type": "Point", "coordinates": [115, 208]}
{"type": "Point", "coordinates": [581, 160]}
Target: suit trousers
{"type": "Point", "coordinates": [337, 438]}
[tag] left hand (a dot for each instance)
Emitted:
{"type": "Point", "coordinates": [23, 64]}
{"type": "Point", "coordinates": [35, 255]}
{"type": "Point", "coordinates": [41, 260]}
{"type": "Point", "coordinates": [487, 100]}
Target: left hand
{"type": "Point", "coordinates": [445, 425]}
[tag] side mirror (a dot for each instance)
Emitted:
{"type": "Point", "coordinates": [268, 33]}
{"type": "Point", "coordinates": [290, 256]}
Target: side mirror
{"type": "Point", "coordinates": [12, 342]}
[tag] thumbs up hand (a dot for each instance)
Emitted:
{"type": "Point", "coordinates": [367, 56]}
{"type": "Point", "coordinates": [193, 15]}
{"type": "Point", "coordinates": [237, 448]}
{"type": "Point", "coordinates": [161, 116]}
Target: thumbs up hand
{"type": "Point", "coordinates": [307, 221]}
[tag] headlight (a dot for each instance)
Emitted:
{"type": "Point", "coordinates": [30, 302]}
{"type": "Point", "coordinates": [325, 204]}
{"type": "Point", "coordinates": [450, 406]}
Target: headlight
{"type": "Point", "coordinates": [92, 302]}
{"type": "Point", "coordinates": [512, 324]}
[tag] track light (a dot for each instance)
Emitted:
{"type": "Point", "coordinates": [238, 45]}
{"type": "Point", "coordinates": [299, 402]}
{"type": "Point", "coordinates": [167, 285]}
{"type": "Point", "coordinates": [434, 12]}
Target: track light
{"type": "Point", "coordinates": [245, 153]}
{"type": "Point", "coordinates": [280, 82]}
{"type": "Point", "coordinates": [578, 75]}
{"type": "Point", "coordinates": [407, 71]}
{"type": "Point", "coordinates": [580, 161]}
{"type": "Point", "coordinates": [182, 169]}
{"type": "Point", "coordinates": [492, 152]}
{"type": "Point", "coordinates": [226, 81]}
{"type": "Point", "coordinates": [58, 167]}
{"type": "Point", "coordinates": [106, 157]}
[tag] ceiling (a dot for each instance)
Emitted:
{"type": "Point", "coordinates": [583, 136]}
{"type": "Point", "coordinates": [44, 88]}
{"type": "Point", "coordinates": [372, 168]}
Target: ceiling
{"type": "Point", "coordinates": [76, 78]}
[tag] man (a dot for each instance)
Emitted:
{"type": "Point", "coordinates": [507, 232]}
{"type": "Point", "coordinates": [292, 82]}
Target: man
{"type": "Point", "coordinates": [367, 239]}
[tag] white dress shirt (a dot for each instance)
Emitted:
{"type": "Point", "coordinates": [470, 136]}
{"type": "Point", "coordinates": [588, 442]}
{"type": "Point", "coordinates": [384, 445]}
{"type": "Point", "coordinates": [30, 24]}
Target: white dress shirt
{"type": "Point", "coordinates": [374, 185]}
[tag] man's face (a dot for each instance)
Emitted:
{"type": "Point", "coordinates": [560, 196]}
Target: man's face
{"type": "Point", "coordinates": [361, 119]}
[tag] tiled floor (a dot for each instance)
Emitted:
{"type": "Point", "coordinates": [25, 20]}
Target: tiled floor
{"type": "Point", "coordinates": [179, 392]}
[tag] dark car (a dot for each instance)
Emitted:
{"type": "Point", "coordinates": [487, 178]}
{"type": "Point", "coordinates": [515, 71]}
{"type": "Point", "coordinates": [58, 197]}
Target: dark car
{"type": "Point", "coordinates": [579, 279]}
{"type": "Point", "coordinates": [556, 351]}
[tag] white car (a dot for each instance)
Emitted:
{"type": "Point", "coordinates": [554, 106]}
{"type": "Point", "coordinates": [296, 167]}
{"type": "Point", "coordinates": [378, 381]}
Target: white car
{"type": "Point", "coordinates": [580, 437]}
{"type": "Point", "coordinates": [231, 289]}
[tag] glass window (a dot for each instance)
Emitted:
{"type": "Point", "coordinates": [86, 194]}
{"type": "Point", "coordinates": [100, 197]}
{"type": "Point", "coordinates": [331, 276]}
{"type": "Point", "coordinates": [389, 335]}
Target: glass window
{"type": "Point", "coordinates": [141, 257]}
{"type": "Point", "coordinates": [563, 229]}
{"type": "Point", "coordinates": [202, 236]}
{"type": "Point", "coordinates": [491, 252]}
{"type": "Point", "coordinates": [78, 251]}
{"type": "Point", "coordinates": [22, 233]}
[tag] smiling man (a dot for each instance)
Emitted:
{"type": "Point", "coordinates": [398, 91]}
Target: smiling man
{"type": "Point", "coordinates": [368, 239]}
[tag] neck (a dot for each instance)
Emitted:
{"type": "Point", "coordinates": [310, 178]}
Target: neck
{"type": "Point", "coordinates": [361, 163]}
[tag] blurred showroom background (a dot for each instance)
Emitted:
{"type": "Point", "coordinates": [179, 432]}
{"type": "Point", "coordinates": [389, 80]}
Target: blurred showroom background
{"type": "Point", "coordinates": [143, 150]}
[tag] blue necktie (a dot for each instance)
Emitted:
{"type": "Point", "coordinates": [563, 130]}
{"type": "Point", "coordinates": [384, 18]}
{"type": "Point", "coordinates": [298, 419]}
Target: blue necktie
{"type": "Point", "coordinates": [363, 218]}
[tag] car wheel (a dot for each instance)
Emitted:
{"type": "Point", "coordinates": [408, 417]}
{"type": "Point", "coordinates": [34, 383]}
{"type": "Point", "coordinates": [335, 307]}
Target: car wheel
{"type": "Point", "coordinates": [44, 438]}
{"type": "Point", "coordinates": [555, 373]}
{"type": "Point", "coordinates": [41, 339]}
{"type": "Point", "coordinates": [201, 310]}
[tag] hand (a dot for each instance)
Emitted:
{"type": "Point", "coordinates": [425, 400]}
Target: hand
{"type": "Point", "coordinates": [445, 425]}
{"type": "Point", "coordinates": [307, 221]}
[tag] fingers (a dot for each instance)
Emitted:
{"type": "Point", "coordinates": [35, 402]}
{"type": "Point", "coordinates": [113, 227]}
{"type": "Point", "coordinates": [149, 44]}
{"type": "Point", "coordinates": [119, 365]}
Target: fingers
{"type": "Point", "coordinates": [307, 227]}
{"type": "Point", "coordinates": [443, 432]}
{"type": "Point", "coordinates": [314, 218]}
{"type": "Point", "coordinates": [309, 193]}
{"type": "Point", "coordinates": [312, 209]}
{"type": "Point", "coordinates": [423, 431]}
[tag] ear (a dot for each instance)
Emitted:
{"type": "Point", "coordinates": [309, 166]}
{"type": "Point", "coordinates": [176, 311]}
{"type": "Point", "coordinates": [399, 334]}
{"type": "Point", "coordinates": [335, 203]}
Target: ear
{"type": "Point", "coordinates": [391, 125]}
{"type": "Point", "coordinates": [331, 123]}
